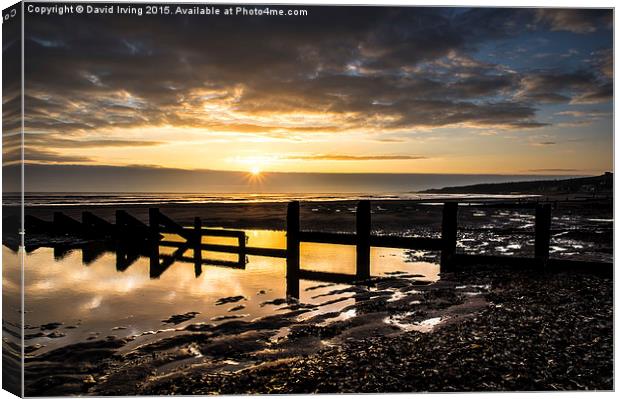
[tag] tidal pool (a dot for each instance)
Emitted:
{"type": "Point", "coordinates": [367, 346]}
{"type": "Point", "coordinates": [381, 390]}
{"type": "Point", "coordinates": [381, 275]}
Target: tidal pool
{"type": "Point", "coordinates": [93, 300]}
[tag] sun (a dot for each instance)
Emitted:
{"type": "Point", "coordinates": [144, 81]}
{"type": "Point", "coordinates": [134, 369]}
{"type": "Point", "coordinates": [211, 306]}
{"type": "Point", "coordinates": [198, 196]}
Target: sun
{"type": "Point", "coordinates": [255, 171]}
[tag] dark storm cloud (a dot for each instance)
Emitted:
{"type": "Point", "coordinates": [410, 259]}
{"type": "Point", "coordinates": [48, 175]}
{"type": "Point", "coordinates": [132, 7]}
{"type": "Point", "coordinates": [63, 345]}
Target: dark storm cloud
{"type": "Point", "coordinates": [559, 87]}
{"type": "Point", "coordinates": [596, 95]}
{"type": "Point", "coordinates": [603, 61]}
{"type": "Point", "coordinates": [365, 68]}
{"type": "Point", "coordinates": [575, 20]}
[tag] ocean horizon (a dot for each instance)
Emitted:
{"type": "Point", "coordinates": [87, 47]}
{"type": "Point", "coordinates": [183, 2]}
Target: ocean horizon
{"type": "Point", "coordinates": [144, 180]}
{"type": "Point", "coordinates": [124, 199]}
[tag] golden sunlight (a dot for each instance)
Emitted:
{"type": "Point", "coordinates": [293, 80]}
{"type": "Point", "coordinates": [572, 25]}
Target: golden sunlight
{"type": "Point", "coordinates": [255, 171]}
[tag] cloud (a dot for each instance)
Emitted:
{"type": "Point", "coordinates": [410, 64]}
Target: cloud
{"type": "Point", "coordinates": [575, 20]}
{"type": "Point", "coordinates": [37, 155]}
{"type": "Point", "coordinates": [603, 60]}
{"type": "Point", "coordinates": [562, 87]}
{"type": "Point", "coordinates": [378, 70]}
{"type": "Point", "coordinates": [581, 118]}
{"type": "Point", "coordinates": [390, 140]}
{"type": "Point", "coordinates": [342, 157]}
{"type": "Point", "coordinates": [595, 95]}
{"type": "Point", "coordinates": [56, 142]}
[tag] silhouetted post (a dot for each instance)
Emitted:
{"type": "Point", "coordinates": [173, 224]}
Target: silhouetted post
{"type": "Point", "coordinates": [121, 253]}
{"type": "Point", "coordinates": [448, 235]}
{"type": "Point", "coordinates": [57, 220]}
{"type": "Point", "coordinates": [120, 223]}
{"type": "Point", "coordinates": [197, 249]}
{"type": "Point", "coordinates": [543, 232]}
{"type": "Point", "coordinates": [362, 225]}
{"type": "Point", "coordinates": [154, 223]}
{"type": "Point", "coordinates": [242, 238]}
{"type": "Point", "coordinates": [292, 249]}
{"type": "Point", "coordinates": [154, 239]}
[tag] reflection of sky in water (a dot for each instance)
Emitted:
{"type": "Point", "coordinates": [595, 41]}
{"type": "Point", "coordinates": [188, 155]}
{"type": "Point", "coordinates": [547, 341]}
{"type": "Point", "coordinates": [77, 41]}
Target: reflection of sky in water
{"type": "Point", "coordinates": [100, 301]}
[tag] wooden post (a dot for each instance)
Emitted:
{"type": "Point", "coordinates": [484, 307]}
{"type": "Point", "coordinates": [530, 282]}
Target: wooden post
{"type": "Point", "coordinates": [363, 240]}
{"type": "Point", "coordinates": [197, 249]}
{"type": "Point", "coordinates": [448, 236]}
{"type": "Point", "coordinates": [543, 232]}
{"type": "Point", "coordinates": [242, 243]}
{"type": "Point", "coordinates": [292, 249]}
{"type": "Point", "coordinates": [241, 240]}
{"type": "Point", "coordinates": [154, 222]}
{"type": "Point", "coordinates": [154, 239]}
{"type": "Point", "coordinates": [120, 224]}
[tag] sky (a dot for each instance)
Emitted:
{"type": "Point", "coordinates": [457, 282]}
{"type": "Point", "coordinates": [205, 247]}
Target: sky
{"type": "Point", "coordinates": [341, 90]}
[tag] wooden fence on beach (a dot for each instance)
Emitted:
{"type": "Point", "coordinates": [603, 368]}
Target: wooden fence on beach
{"type": "Point", "coordinates": [133, 238]}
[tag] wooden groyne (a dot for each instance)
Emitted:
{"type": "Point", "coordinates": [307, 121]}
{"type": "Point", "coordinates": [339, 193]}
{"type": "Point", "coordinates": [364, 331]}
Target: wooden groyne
{"type": "Point", "coordinates": [132, 238]}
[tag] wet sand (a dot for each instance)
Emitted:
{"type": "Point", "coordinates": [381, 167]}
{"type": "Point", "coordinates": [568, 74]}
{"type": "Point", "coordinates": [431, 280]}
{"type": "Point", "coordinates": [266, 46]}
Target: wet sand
{"type": "Point", "coordinates": [477, 331]}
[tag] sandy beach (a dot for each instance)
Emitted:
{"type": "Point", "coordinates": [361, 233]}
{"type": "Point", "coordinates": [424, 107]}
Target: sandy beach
{"type": "Point", "coordinates": [484, 331]}
{"type": "Point", "coordinates": [471, 330]}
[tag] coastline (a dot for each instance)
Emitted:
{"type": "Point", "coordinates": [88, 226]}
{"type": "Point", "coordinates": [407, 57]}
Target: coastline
{"type": "Point", "coordinates": [500, 330]}
{"type": "Point", "coordinates": [394, 319]}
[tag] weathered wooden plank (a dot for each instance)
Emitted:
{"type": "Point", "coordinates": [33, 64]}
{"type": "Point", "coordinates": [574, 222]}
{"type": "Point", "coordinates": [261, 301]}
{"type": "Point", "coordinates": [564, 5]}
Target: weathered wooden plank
{"type": "Point", "coordinates": [339, 278]}
{"type": "Point", "coordinates": [421, 243]}
{"type": "Point", "coordinates": [216, 262]}
{"type": "Point", "coordinates": [205, 232]}
{"type": "Point", "coordinates": [223, 233]}
{"type": "Point", "coordinates": [157, 270]}
{"type": "Point", "coordinates": [173, 226]}
{"type": "Point", "coordinates": [233, 249]}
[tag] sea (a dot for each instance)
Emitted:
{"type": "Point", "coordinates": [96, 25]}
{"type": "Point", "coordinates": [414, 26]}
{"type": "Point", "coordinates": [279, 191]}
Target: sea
{"type": "Point", "coordinates": [123, 199]}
